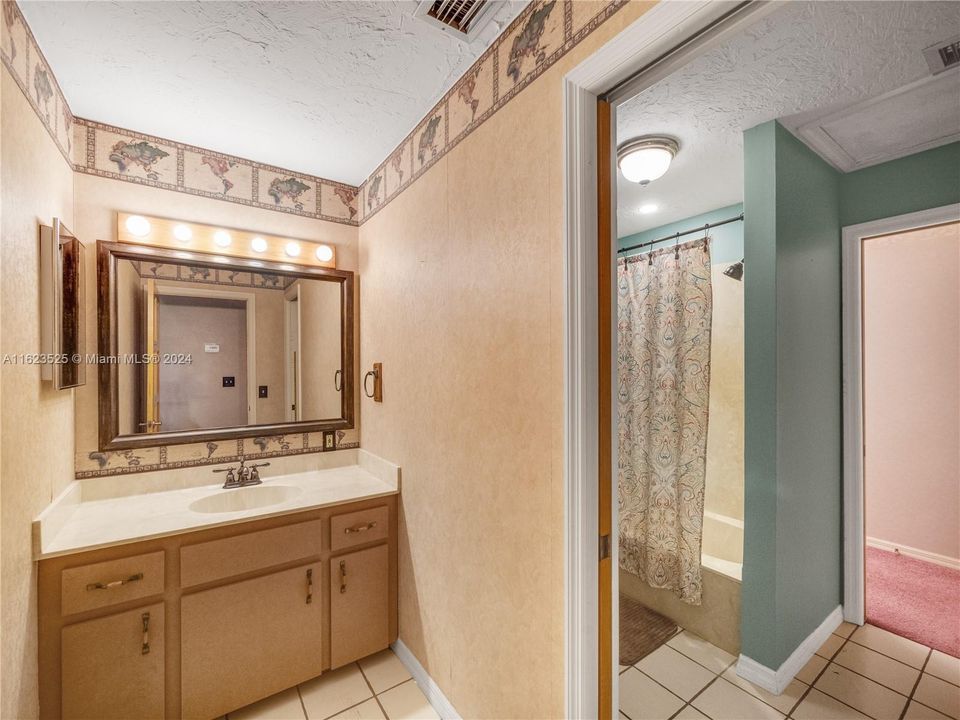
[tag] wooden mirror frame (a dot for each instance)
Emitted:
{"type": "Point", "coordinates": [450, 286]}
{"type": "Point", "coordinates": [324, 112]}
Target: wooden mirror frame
{"type": "Point", "coordinates": [109, 253]}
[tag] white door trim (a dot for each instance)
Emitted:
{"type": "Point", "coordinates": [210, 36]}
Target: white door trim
{"type": "Point", "coordinates": [660, 30]}
{"type": "Point", "coordinates": [852, 295]}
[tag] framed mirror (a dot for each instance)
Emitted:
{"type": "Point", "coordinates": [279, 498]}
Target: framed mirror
{"type": "Point", "coordinates": [196, 347]}
{"type": "Point", "coordinates": [62, 331]}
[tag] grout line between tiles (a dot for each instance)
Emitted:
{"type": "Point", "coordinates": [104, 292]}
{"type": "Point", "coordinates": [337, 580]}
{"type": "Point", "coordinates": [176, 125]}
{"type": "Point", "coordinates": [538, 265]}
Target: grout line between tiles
{"type": "Point", "coordinates": [654, 680]}
{"type": "Point", "coordinates": [303, 705]}
{"type": "Point", "coordinates": [338, 712]}
{"type": "Point", "coordinates": [816, 678]}
{"type": "Point", "coordinates": [879, 652]}
{"type": "Point", "coordinates": [380, 704]}
{"type": "Point", "coordinates": [916, 684]}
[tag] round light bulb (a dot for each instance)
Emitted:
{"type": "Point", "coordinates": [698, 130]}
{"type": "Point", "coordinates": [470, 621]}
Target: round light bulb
{"type": "Point", "coordinates": [645, 164]}
{"type": "Point", "coordinates": [183, 233]}
{"type": "Point", "coordinates": [258, 244]}
{"type": "Point", "coordinates": [138, 225]}
{"type": "Point", "coordinates": [324, 253]}
{"type": "Point", "coordinates": [292, 249]}
{"type": "Point", "coordinates": [222, 238]}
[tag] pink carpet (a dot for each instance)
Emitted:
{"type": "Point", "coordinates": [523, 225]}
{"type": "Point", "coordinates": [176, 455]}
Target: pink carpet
{"type": "Point", "coordinates": [914, 599]}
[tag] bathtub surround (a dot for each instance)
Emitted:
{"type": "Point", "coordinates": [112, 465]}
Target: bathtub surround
{"type": "Point", "coordinates": [716, 619]}
{"type": "Point", "coordinates": [664, 316]}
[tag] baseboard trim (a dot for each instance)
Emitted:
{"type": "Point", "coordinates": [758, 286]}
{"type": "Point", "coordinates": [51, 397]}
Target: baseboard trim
{"type": "Point", "coordinates": [433, 692]}
{"type": "Point", "coordinates": [776, 681]}
{"type": "Point", "coordinates": [944, 560]}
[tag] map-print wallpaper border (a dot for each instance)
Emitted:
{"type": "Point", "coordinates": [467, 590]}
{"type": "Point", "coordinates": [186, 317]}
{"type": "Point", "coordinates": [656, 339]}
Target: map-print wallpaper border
{"type": "Point", "coordinates": [21, 55]}
{"type": "Point", "coordinates": [541, 34]}
{"type": "Point", "coordinates": [172, 457]}
{"type": "Point", "coordinates": [121, 154]}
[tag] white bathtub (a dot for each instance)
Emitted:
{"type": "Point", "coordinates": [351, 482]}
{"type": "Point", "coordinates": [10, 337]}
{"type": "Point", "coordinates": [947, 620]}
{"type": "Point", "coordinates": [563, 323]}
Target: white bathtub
{"type": "Point", "coordinates": [722, 548]}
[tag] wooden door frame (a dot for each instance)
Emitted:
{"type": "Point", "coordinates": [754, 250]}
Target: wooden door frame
{"type": "Point", "coordinates": [655, 45]}
{"type": "Point", "coordinates": [854, 540]}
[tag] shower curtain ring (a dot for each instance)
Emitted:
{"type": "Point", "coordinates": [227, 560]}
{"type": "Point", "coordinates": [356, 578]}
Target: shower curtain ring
{"type": "Point", "coordinates": [706, 236]}
{"type": "Point", "coordinates": [676, 247]}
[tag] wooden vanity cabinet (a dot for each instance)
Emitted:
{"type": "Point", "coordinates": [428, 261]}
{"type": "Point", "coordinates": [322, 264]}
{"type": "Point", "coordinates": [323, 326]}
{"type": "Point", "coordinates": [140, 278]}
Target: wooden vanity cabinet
{"type": "Point", "coordinates": [248, 640]}
{"type": "Point", "coordinates": [113, 667]}
{"type": "Point", "coordinates": [222, 633]}
{"type": "Point", "coordinates": [359, 604]}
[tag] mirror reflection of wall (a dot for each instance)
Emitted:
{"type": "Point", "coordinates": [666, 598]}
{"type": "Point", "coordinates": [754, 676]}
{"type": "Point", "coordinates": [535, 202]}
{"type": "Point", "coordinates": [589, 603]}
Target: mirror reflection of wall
{"type": "Point", "coordinates": [247, 364]}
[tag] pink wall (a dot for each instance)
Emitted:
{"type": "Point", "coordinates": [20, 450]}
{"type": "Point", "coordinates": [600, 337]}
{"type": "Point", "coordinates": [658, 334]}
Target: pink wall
{"type": "Point", "coordinates": [912, 388]}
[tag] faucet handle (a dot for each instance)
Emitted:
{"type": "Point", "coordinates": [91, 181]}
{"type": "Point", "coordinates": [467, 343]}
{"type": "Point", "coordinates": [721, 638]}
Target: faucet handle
{"type": "Point", "coordinates": [255, 471]}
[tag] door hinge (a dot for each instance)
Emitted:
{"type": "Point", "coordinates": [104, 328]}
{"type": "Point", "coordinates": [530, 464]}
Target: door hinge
{"type": "Point", "coordinates": [604, 547]}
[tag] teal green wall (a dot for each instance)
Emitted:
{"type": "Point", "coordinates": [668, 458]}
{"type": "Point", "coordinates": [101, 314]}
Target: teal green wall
{"type": "Point", "coordinates": [917, 182]}
{"type": "Point", "coordinates": [727, 243]}
{"type": "Point", "coordinates": [793, 451]}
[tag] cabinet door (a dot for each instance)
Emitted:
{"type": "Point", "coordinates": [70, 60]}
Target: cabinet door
{"type": "Point", "coordinates": [359, 604]}
{"type": "Point", "coordinates": [112, 667]}
{"type": "Point", "coordinates": [247, 640]}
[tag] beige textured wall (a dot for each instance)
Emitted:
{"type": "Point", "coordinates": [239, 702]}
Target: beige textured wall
{"type": "Point", "coordinates": [724, 481]}
{"type": "Point", "coordinates": [462, 299]}
{"type": "Point", "coordinates": [36, 460]}
{"type": "Point", "coordinates": [97, 202]}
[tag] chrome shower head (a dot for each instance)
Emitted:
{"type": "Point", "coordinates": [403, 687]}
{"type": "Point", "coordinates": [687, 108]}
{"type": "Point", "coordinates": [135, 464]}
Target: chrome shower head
{"type": "Point", "coordinates": [735, 271]}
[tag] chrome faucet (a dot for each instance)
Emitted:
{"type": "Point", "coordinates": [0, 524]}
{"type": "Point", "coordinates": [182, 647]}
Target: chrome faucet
{"type": "Point", "coordinates": [242, 476]}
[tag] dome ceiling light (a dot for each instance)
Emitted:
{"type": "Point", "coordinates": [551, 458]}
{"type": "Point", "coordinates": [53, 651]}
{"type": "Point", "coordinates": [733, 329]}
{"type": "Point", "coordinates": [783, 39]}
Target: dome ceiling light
{"type": "Point", "coordinates": [644, 159]}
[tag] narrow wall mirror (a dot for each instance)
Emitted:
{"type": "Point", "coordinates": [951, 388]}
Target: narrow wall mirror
{"type": "Point", "coordinates": [197, 347]}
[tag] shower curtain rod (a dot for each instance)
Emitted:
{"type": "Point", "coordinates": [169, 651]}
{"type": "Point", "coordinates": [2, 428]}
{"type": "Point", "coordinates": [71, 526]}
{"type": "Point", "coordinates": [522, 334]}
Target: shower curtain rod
{"type": "Point", "coordinates": [702, 228]}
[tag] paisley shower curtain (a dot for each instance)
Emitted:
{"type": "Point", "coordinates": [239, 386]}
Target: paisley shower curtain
{"type": "Point", "coordinates": [664, 307]}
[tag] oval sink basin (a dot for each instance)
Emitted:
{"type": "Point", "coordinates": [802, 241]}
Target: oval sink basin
{"type": "Point", "coordinates": [247, 498]}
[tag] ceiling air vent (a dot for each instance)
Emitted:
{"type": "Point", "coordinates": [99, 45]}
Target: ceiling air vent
{"type": "Point", "coordinates": [943, 56]}
{"type": "Point", "coordinates": [460, 18]}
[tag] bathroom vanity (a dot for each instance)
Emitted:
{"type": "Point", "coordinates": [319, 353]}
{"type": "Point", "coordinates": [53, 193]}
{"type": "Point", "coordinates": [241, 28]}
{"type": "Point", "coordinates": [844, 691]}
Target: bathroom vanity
{"type": "Point", "coordinates": [195, 601]}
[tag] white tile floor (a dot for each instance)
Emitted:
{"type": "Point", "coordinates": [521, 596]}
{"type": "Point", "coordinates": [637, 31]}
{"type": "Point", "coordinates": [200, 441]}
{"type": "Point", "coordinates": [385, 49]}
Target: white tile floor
{"type": "Point", "coordinates": [376, 688]}
{"type": "Point", "coordinates": [858, 674]}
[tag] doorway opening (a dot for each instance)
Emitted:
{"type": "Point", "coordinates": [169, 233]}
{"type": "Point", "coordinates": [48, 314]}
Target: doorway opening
{"type": "Point", "coordinates": [660, 544]}
{"type": "Point", "coordinates": [902, 495]}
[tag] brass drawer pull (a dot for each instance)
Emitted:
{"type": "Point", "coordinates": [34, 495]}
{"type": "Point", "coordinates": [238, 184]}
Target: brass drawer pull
{"type": "Point", "coordinates": [343, 576]}
{"type": "Point", "coordinates": [145, 647]}
{"type": "Point", "coordinates": [115, 583]}
{"type": "Point", "coordinates": [309, 586]}
{"type": "Point", "coordinates": [360, 528]}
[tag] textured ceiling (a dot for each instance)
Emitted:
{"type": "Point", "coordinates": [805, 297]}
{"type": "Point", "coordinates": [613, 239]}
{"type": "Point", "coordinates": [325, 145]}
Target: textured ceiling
{"type": "Point", "coordinates": [322, 87]}
{"type": "Point", "coordinates": [794, 64]}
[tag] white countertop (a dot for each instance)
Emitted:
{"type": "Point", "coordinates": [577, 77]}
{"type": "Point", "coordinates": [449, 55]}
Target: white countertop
{"type": "Point", "coordinates": [87, 515]}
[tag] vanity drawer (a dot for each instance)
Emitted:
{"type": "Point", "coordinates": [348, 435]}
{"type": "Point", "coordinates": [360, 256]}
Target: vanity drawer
{"type": "Point", "coordinates": [107, 583]}
{"type": "Point", "coordinates": [227, 557]}
{"type": "Point", "coordinates": [357, 528]}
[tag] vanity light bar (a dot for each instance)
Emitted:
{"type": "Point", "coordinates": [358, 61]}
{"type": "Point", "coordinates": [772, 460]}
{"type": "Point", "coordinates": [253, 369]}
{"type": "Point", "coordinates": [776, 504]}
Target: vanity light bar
{"type": "Point", "coordinates": [221, 240]}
